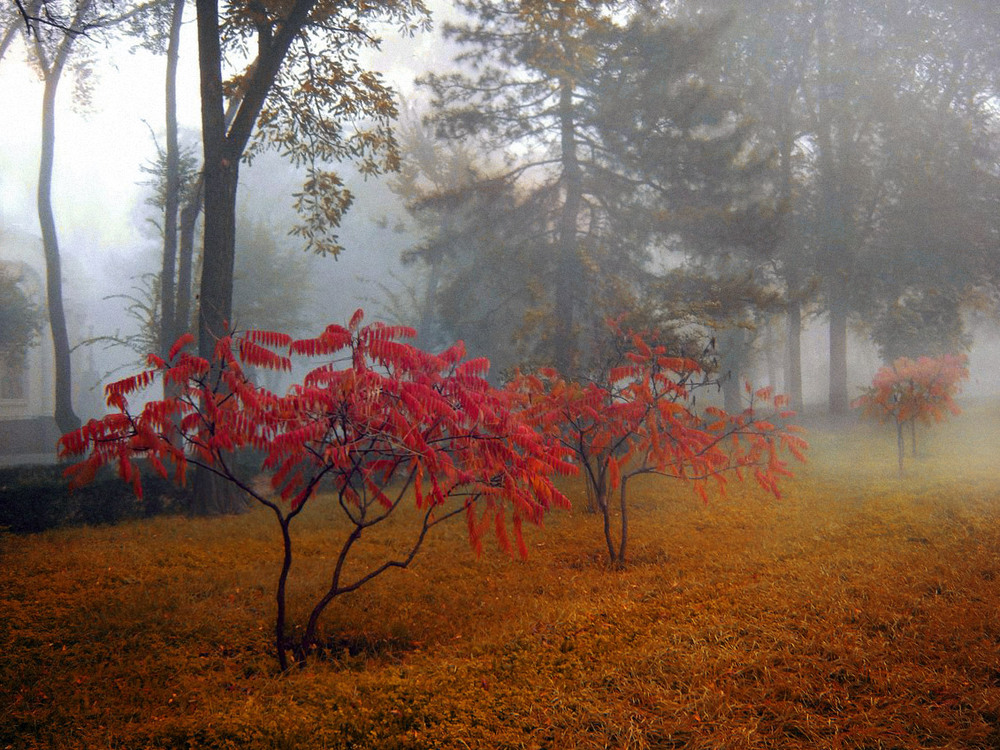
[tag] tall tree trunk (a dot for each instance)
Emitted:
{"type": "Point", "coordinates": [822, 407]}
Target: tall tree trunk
{"type": "Point", "coordinates": [793, 282]}
{"type": "Point", "coordinates": [567, 271]}
{"type": "Point", "coordinates": [773, 357]}
{"type": "Point", "coordinates": [65, 417]}
{"type": "Point", "coordinates": [169, 329]}
{"type": "Point", "coordinates": [224, 138]}
{"type": "Point", "coordinates": [835, 220]}
{"type": "Point", "coordinates": [900, 447]}
{"type": "Point", "coordinates": [733, 353]}
{"type": "Point", "coordinates": [220, 172]}
{"type": "Point", "coordinates": [623, 506]}
{"type": "Point", "coordinates": [428, 311]}
{"type": "Point", "coordinates": [185, 259]}
{"type": "Point", "coordinates": [793, 364]}
{"type": "Point", "coordinates": [839, 402]}
{"type": "Point", "coordinates": [186, 232]}
{"type": "Point", "coordinates": [732, 392]}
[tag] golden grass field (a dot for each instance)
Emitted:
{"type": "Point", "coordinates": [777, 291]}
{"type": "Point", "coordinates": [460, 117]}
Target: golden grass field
{"type": "Point", "coordinates": [859, 611]}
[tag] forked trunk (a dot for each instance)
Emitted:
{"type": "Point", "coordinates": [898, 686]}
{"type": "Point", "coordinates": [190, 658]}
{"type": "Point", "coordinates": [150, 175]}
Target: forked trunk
{"type": "Point", "coordinates": [616, 549]}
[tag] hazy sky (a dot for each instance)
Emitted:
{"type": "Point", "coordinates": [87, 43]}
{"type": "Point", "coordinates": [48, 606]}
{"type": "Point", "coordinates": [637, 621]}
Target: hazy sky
{"type": "Point", "coordinates": [98, 199]}
{"type": "Point", "coordinates": [97, 168]}
{"type": "Point", "coordinates": [99, 152]}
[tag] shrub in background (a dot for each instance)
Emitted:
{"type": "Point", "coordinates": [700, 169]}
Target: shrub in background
{"type": "Point", "coordinates": [34, 498]}
{"type": "Point", "coordinates": [637, 416]}
{"type": "Point", "coordinates": [908, 391]}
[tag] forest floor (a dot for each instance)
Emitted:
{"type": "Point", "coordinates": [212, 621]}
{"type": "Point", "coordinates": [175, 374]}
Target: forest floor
{"type": "Point", "coordinates": [858, 611]}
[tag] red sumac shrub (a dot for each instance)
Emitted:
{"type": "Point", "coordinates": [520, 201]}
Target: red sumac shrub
{"type": "Point", "coordinates": [377, 422]}
{"type": "Point", "coordinates": [908, 391]}
{"type": "Point", "coordinates": [638, 417]}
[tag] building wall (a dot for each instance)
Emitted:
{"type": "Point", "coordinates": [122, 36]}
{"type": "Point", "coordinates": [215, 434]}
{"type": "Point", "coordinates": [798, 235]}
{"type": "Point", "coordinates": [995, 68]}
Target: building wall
{"type": "Point", "coordinates": [25, 433]}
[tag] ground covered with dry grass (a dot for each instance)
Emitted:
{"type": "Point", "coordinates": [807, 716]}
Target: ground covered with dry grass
{"type": "Point", "coordinates": [860, 611]}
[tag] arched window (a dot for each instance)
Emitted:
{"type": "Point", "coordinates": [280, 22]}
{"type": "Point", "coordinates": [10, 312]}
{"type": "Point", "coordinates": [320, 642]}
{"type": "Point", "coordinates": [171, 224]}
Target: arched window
{"type": "Point", "coordinates": [13, 377]}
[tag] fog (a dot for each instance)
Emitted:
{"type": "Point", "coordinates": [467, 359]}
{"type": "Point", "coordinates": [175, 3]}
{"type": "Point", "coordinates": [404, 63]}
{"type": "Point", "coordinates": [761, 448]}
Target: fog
{"type": "Point", "coordinates": [107, 244]}
{"type": "Point", "coordinates": [99, 194]}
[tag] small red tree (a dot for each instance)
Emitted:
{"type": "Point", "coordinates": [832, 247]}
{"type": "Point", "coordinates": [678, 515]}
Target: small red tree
{"type": "Point", "coordinates": [378, 421]}
{"type": "Point", "coordinates": [908, 391]}
{"type": "Point", "coordinates": [639, 418]}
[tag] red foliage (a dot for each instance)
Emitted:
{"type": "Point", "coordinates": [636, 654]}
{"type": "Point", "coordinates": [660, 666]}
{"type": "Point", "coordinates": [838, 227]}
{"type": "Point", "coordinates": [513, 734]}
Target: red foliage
{"type": "Point", "coordinates": [639, 418]}
{"type": "Point", "coordinates": [377, 418]}
{"type": "Point", "coordinates": [908, 391]}
{"type": "Point", "coordinates": [922, 389]}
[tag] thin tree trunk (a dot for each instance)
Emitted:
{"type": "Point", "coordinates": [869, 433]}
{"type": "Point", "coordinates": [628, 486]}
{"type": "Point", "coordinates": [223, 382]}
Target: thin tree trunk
{"type": "Point", "coordinates": [793, 377]}
{"type": "Point", "coordinates": [168, 294]}
{"type": "Point", "coordinates": [565, 348]}
{"type": "Point", "coordinates": [428, 312]}
{"type": "Point", "coordinates": [602, 502]}
{"type": "Point", "coordinates": [65, 417]}
{"type": "Point", "coordinates": [839, 403]}
{"type": "Point", "coordinates": [623, 541]}
{"type": "Point", "coordinates": [280, 641]}
{"type": "Point", "coordinates": [772, 356]}
{"type": "Point", "coordinates": [900, 447]}
{"type": "Point", "coordinates": [185, 260]}
{"type": "Point", "coordinates": [733, 345]}
{"type": "Point", "coordinates": [835, 224]}
{"type": "Point", "coordinates": [592, 504]}
{"type": "Point", "coordinates": [793, 284]}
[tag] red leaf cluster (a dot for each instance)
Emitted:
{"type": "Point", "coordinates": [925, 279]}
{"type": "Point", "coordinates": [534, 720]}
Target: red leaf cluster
{"type": "Point", "coordinates": [911, 391]}
{"type": "Point", "coordinates": [640, 418]}
{"type": "Point", "coordinates": [921, 389]}
{"type": "Point", "coordinates": [376, 413]}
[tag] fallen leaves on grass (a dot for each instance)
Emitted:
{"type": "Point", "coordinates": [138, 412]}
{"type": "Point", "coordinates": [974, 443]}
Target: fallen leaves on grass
{"type": "Point", "coordinates": [858, 612]}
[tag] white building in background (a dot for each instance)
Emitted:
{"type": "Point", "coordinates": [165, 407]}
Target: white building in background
{"type": "Point", "coordinates": [27, 429]}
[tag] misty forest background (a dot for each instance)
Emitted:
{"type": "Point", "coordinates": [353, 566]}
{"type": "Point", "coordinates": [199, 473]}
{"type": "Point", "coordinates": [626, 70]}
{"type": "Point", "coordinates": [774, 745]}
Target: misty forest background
{"type": "Point", "coordinates": [749, 179]}
{"type": "Point", "coordinates": [790, 192]}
